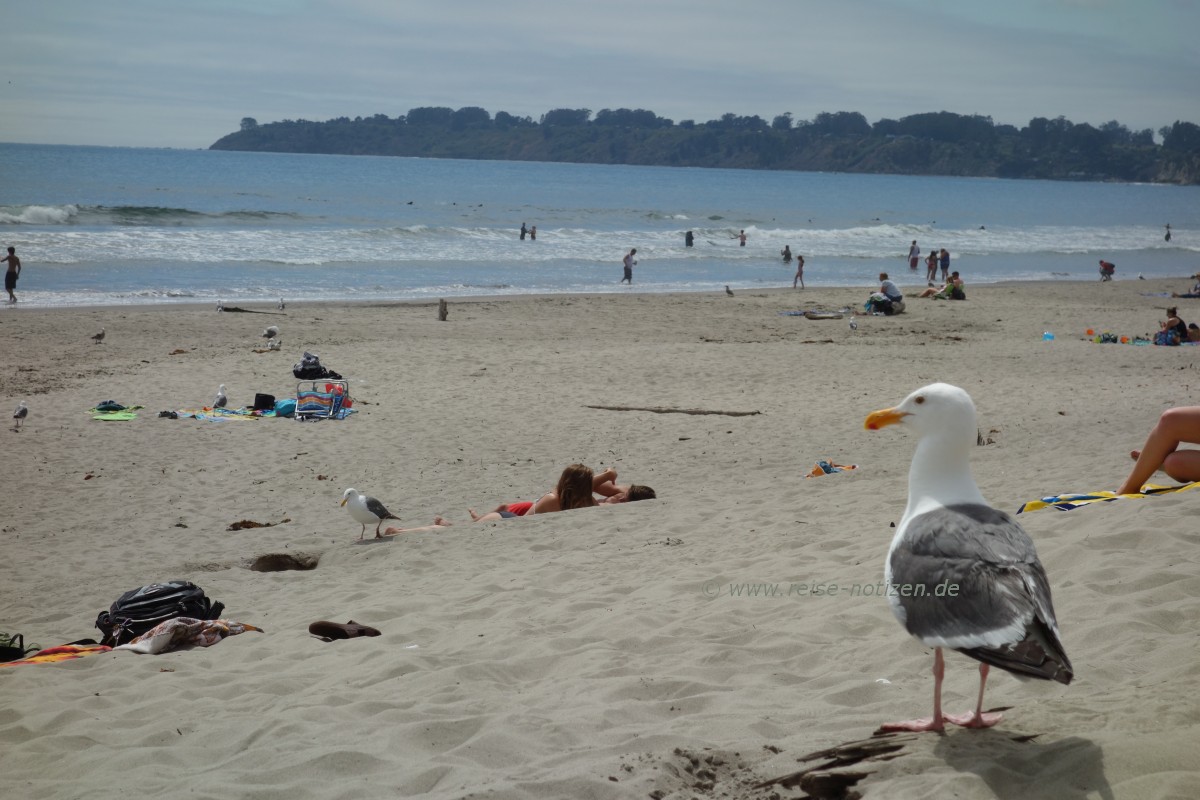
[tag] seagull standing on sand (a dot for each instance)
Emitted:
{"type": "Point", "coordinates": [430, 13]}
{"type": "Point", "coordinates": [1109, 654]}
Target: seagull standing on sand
{"type": "Point", "coordinates": [220, 305]}
{"type": "Point", "coordinates": [728, 291]}
{"type": "Point", "coordinates": [961, 574]}
{"type": "Point", "coordinates": [366, 510]}
{"type": "Point", "coordinates": [275, 344]}
{"type": "Point", "coordinates": [221, 400]}
{"type": "Point", "coordinates": [99, 337]}
{"type": "Point", "coordinates": [281, 306]}
{"type": "Point", "coordinates": [270, 333]}
{"type": "Point", "coordinates": [19, 415]}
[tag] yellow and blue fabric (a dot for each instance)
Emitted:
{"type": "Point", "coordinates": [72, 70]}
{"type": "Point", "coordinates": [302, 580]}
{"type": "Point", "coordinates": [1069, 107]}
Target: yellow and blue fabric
{"type": "Point", "coordinates": [1067, 502]}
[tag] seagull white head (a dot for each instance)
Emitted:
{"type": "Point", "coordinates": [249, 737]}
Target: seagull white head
{"type": "Point", "coordinates": [346, 495]}
{"type": "Point", "coordinates": [943, 417]}
{"type": "Point", "coordinates": [938, 409]}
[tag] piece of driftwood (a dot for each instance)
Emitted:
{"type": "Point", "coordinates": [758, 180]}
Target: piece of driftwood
{"type": "Point", "coordinates": [443, 311]}
{"type": "Point", "coordinates": [665, 410]}
{"type": "Point", "coordinates": [236, 310]}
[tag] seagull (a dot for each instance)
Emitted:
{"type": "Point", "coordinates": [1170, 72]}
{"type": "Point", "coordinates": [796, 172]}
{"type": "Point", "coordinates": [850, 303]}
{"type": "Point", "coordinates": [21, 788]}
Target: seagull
{"type": "Point", "coordinates": [853, 324]}
{"type": "Point", "coordinates": [728, 291]}
{"type": "Point", "coordinates": [270, 333]}
{"type": "Point", "coordinates": [275, 344]}
{"type": "Point", "coordinates": [961, 574]}
{"type": "Point", "coordinates": [99, 337]}
{"type": "Point", "coordinates": [366, 510]}
{"type": "Point", "coordinates": [281, 306]}
{"type": "Point", "coordinates": [221, 400]}
{"type": "Point", "coordinates": [20, 414]}
{"type": "Point", "coordinates": [220, 305]}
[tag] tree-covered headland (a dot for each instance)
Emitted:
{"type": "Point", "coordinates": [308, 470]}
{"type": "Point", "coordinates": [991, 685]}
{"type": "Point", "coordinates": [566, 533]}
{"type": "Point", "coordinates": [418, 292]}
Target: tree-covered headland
{"type": "Point", "coordinates": [935, 143]}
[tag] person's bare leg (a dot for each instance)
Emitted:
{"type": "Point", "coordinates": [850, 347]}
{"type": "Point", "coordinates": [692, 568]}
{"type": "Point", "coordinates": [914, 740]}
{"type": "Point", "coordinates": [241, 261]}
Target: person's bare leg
{"type": "Point", "coordinates": [438, 525]}
{"type": "Point", "coordinates": [488, 517]}
{"type": "Point", "coordinates": [1174, 426]}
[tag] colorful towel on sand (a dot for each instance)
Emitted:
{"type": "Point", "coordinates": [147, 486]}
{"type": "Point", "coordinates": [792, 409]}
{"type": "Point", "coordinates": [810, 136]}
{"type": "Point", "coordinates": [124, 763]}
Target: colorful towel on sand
{"type": "Point", "coordinates": [110, 411]}
{"type": "Point", "coordinates": [828, 468]}
{"type": "Point", "coordinates": [219, 414]}
{"type": "Point", "coordinates": [64, 652]}
{"type": "Point", "coordinates": [1067, 502]}
{"type": "Point", "coordinates": [185, 632]}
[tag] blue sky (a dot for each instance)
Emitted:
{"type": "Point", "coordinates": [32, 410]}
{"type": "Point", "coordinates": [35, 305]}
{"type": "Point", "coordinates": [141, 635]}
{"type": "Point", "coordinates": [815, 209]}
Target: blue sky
{"type": "Point", "coordinates": [170, 73]}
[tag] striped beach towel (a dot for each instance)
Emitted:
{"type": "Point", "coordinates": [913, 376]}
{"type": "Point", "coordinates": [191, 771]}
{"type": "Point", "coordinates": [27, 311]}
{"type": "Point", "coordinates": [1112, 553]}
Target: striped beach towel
{"type": "Point", "coordinates": [1067, 502]}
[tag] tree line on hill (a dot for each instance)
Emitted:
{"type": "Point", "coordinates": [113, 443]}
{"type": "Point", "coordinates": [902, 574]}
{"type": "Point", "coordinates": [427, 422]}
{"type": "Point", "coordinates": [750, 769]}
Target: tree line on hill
{"type": "Point", "coordinates": [935, 143]}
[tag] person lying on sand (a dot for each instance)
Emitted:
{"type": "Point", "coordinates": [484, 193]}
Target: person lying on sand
{"type": "Point", "coordinates": [1175, 425]}
{"type": "Point", "coordinates": [575, 489]}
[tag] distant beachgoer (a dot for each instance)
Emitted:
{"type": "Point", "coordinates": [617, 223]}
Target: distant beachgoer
{"type": "Point", "coordinates": [533, 232]}
{"type": "Point", "coordinates": [742, 238]}
{"type": "Point", "coordinates": [1174, 330]}
{"type": "Point", "coordinates": [944, 263]}
{"type": "Point", "coordinates": [887, 298]}
{"type": "Point", "coordinates": [1195, 292]}
{"type": "Point", "coordinates": [786, 252]}
{"type": "Point", "coordinates": [629, 263]}
{"type": "Point", "coordinates": [799, 272]}
{"type": "Point", "coordinates": [914, 255]}
{"type": "Point", "coordinates": [688, 239]}
{"type": "Point", "coordinates": [524, 231]}
{"type": "Point", "coordinates": [931, 264]}
{"type": "Point", "coordinates": [1167, 238]}
{"type": "Point", "coordinates": [13, 272]}
{"type": "Point", "coordinates": [1107, 268]}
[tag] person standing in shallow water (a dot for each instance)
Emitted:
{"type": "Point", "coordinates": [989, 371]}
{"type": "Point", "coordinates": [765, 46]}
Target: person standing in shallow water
{"type": "Point", "coordinates": [12, 273]}
{"type": "Point", "coordinates": [524, 231]}
{"type": "Point", "coordinates": [629, 263]}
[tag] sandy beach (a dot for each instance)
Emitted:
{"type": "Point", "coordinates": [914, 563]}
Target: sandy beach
{"type": "Point", "coordinates": [610, 652]}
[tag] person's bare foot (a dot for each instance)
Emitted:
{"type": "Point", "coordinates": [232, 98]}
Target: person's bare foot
{"type": "Point", "coordinates": [474, 516]}
{"type": "Point", "coordinates": [442, 521]}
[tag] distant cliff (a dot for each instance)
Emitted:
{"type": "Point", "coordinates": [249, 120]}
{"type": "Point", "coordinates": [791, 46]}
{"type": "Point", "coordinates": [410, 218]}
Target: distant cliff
{"type": "Point", "coordinates": [937, 143]}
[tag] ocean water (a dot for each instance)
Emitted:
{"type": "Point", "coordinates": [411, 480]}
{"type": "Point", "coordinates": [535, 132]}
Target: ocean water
{"type": "Point", "coordinates": [112, 226]}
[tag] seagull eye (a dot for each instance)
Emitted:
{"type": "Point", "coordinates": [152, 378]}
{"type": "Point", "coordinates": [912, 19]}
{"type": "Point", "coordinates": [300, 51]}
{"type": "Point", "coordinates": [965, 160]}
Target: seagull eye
{"type": "Point", "coordinates": [920, 399]}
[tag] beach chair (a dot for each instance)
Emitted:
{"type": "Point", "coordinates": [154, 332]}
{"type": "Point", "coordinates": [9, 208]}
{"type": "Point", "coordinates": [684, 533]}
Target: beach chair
{"type": "Point", "coordinates": [322, 399]}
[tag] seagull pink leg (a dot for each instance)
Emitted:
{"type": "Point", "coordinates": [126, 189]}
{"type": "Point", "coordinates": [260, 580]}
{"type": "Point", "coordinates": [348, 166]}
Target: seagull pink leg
{"type": "Point", "coordinates": [935, 722]}
{"type": "Point", "coordinates": [978, 719]}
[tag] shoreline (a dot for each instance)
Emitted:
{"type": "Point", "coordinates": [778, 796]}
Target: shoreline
{"type": "Point", "coordinates": [584, 653]}
{"type": "Point", "coordinates": [915, 286]}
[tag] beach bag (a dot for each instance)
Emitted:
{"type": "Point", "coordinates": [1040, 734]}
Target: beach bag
{"type": "Point", "coordinates": [310, 369]}
{"type": "Point", "coordinates": [139, 610]}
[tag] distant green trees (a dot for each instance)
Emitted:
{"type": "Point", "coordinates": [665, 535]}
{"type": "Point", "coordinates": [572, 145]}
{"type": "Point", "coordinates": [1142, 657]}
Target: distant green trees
{"type": "Point", "coordinates": [933, 143]}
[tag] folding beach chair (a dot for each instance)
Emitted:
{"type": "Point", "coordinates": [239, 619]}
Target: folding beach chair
{"type": "Point", "coordinates": [322, 399]}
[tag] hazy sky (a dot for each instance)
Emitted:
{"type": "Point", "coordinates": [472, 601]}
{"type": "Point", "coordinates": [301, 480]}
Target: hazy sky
{"type": "Point", "coordinates": [176, 73]}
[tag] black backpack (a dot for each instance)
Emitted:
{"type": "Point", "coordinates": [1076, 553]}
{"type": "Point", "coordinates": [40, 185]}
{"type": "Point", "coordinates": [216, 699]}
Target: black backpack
{"type": "Point", "coordinates": [139, 610]}
{"type": "Point", "coordinates": [311, 369]}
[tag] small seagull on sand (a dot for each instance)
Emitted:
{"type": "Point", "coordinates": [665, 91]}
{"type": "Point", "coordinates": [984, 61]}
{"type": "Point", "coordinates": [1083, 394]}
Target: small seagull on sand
{"type": "Point", "coordinates": [275, 344]}
{"type": "Point", "coordinates": [853, 324]}
{"type": "Point", "coordinates": [220, 305]}
{"type": "Point", "coordinates": [728, 291]}
{"type": "Point", "coordinates": [366, 510]}
{"type": "Point", "coordinates": [281, 306]}
{"type": "Point", "coordinates": [19, 415]}
{"type": "Point", "coordinates": [99, 337]}
{"type": "Point", "coordinates": [221, 400]}
{"type": "Point", "coordinates": [271, 332]}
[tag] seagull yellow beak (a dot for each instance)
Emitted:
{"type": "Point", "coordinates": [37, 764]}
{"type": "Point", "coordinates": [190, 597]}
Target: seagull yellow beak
{"type": "Point", "coordinates": [343, 501]}
{"type": "Point", "coordinates": [881, 419]}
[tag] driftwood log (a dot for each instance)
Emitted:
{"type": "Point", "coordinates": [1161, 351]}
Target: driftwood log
{"type": "Point", "coordinates": [443, 311]}
{"type": "Point", "coordinates": [665, 410]}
